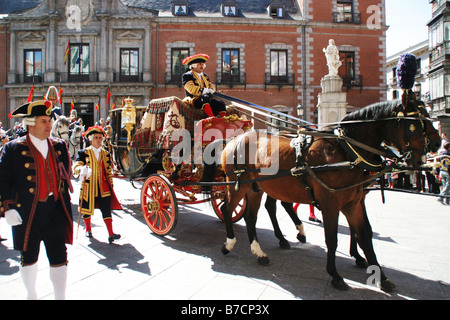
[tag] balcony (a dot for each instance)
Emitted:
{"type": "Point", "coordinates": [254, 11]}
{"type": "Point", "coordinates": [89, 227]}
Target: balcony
{"type": "Point", "coordinates": [173, 79]}
{"type": "Point", "coordinates": [347, 17]}
{"type": "Point", "coordinates": [280, 81]}
{"type": "Point", "coordinates": [81, 77]}
{"type": "Point", "coordinates": [231, 80]}
{"type": "Point", "coordinates": [351, 82]}
{"type": "Point", "coordinates": [119, 77]}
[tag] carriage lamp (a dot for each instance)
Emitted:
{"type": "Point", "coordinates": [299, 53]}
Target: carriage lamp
{"type": "Point", "coordinates": [129, 118]}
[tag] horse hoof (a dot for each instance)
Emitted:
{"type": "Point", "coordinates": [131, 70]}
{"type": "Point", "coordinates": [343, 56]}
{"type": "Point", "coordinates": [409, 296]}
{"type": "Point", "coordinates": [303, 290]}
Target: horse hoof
{"type": "Point", "coordinates": [284, 244]}
{"type": "Point", "coordinates": [361, 263]}
{"type": "Point", "coordinates": [339, 284]}
{"type": "Point", "coordinates": [263, 261]}
{"type": "Point", "coordinates": [301, 238]}
{"type": "Point", "coordinates": [386, 285]}
{"type": "Point", "coordinates": [225, 250]}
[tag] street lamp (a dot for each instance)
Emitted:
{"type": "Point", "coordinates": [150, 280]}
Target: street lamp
{"type": "Point", "coordinates": [417, 90]}
{"type": "Point", "coordinates": [300, 111]}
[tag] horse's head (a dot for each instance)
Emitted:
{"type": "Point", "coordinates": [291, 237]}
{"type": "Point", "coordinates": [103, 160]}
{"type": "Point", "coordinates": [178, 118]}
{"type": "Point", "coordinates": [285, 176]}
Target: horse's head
{"type": "Point", "coordinates": [412, 131]}
{"type": "Point", "coordinates": [75, 137]}
{"type": "Point", "coordinates": [60, 128]}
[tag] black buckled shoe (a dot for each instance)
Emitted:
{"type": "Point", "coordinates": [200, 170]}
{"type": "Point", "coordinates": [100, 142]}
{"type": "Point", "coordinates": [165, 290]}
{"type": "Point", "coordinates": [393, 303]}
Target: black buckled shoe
{"type": "Point", "coordinates": [88, 234]}
{"type": "Point", "coordinates": [113, 237]}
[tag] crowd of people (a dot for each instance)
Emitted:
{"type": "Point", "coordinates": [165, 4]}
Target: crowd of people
{"type": "Point", "coordinates": [434, 181]}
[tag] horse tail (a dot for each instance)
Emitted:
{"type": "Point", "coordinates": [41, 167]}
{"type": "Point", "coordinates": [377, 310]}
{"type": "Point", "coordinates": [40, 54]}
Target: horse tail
{"type": "Point", "coordinates": [211, 160]}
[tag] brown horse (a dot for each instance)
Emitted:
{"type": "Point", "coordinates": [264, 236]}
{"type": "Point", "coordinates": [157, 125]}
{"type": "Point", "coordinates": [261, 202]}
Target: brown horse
{"type": "Point", "coordinates": [404, 126]}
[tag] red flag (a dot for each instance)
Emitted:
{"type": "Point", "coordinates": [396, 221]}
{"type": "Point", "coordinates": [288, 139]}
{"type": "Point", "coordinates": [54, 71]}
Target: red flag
{"type": "Point", "coordinates": [30, 96]}
{"type": "Point", "coordinates": [72, 105]}
{"type": "Point", "coordinates": [108, 95]}
{"type": "Point", "coordinates": [60, 95]}
{"type": "Point", "coordinates": [113, 106]}
{"type": "Point", "coordinates": [123, 101]}
{"type": "Point", "coordinates": [97, 107]}
{"type": "Point", "coordinates": [66, 54]}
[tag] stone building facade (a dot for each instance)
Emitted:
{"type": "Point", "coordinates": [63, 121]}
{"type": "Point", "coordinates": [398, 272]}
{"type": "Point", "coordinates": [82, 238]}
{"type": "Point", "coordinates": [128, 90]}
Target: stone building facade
{"type": "Point", "coordinates": [268, 52]}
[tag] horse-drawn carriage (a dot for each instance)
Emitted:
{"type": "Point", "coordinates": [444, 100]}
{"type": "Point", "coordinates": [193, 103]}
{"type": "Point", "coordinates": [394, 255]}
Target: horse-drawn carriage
{"type": "Point", "coordinates": [327, 168]}
{"type": "Point", "coordinates": [158, 144]}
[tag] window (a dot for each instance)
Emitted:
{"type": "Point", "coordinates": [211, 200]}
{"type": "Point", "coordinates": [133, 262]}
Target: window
{"type": "Point", "coordinates": [129, 64]}
{"type": "Point", "coordinates": [177, 67]}
{"type": "Point", "coordinates": [33, 66]}
{"type": "Point", "coordinates": [230, 65]}
{"type": "Point", "coordinates": [79, 62]}
{"type": "Point", "coordinates": [229, 10]}
{"type": "Point", "coordinates": [180, 8]}
{"type": "Point", "coordinates": [347, 69]}
{"type": "Point", "coordinates": [276, 12]}
{"type": "Point", "coordinates": [278, 66]}
{"type": "Point", "coordinates": [344, 11]}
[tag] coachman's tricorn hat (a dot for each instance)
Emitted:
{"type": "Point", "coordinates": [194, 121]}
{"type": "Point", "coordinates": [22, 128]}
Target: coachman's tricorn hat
{"type": "Point", "coordinates": [92, 130]}
{"type": "Point", "coordinates": [33, 109]}
{"type": "Point", "coordinates": [201, 57]}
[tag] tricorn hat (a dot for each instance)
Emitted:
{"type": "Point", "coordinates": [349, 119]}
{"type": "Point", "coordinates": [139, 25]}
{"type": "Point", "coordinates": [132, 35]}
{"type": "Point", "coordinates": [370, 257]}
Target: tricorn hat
{"type": "Point", "coordinates": [196, 58]}
{"type": "Point", "coordinates": [92, 130]}
{"type": "Point", "coordinates": [33, 109]}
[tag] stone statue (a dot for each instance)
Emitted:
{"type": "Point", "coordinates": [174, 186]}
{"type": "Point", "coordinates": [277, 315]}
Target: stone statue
{"type": "Point", "coordinates": [332, 55]}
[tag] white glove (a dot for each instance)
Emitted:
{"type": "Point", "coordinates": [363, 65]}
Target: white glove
{"type": "Point", "coordinates": [207, 91]}
{"type": "Point", "coordinates": [85, 171]}
{"type": "Point", "coordinates": [13, 217]}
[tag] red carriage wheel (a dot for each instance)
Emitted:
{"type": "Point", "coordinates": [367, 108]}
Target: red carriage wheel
{"type": "Point", "coordinates": [238, 212]}
{"type": "Point", "coordinates": [159, 204]}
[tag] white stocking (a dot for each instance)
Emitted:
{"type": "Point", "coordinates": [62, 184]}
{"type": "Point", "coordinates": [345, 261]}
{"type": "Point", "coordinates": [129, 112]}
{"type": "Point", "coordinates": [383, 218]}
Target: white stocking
{"type": "Point", "coordinates": [29, 275]}
{"type": "Point", "coordinates": [58, 276]}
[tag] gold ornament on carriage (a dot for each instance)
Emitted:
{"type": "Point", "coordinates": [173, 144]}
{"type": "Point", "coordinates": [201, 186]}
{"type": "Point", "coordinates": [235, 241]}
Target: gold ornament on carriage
{"type": "Point", "coordinates": [129, 118]}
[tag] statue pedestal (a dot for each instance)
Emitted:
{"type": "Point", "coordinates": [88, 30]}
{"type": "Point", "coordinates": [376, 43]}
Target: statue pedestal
{"type": "Point", "coordinates": [332, 102]}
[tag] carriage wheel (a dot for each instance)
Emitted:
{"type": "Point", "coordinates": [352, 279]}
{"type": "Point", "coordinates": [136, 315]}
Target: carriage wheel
{"type": "Point", "coordinates": [159, 204]}
{"type": "Point", "coordinates": [238, 212]}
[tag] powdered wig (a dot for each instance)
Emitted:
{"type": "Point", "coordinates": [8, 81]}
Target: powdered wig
{"type": "Point", "coordinates": [28, 121]}
{"type": "Point", "coordinates": [91, 137]}
{"type": "Point", "coordinates": [194, 65]}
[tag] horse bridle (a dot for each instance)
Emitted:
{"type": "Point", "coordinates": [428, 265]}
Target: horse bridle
{"type": "Point", "coordinates": [413, 127]}
{"type": "Point", "coordinates": [61, 133]}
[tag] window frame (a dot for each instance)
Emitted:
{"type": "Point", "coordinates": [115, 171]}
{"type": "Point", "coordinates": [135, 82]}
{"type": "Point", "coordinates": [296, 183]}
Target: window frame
{"type": "Point", "coordinates": [277, 77]}
{"type": "Point", "coordinates": [229, 77]}
{"type": "Point", "coordinates": [349, 73]}
{"type": "Point", "coordinates": [36, 75]}
{"type": "Point", "coordinates": [124, 76]}
{"type": "Point", "coordinates": [80, 75]}
{"type": "Point", "coordinates": [176, 77]}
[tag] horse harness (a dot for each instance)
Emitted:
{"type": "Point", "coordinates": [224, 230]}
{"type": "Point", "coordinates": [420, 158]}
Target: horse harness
{"type": "Point", "coordinates": [302, 142]}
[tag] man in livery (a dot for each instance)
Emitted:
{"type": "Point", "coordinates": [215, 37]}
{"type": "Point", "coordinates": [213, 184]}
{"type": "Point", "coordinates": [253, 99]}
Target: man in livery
{"type": "Point", "coordinates": [93, 165]}
{"type": "Point", "coordinates": [35, 172]}
{"type": "Point", "coordinates": [198, 88]}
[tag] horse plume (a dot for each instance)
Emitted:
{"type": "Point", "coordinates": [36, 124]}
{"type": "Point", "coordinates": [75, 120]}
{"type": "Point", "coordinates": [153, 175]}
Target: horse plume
{"type": "Point", "coordinates": [406, 71]}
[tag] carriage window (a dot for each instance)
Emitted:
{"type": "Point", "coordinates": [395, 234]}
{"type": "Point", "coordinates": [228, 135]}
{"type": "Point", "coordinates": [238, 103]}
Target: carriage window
{"type": "Point", "coordinates": [178, 55]}
{"type": "Point", "coordinates": [79, 61]}
{"type": "Point", "coordinates": [230, 65]}
{"type": "Point", "coordinates": [33, 65]}
{"type": "Point", "coordinates": [129, 64]}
